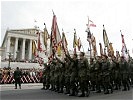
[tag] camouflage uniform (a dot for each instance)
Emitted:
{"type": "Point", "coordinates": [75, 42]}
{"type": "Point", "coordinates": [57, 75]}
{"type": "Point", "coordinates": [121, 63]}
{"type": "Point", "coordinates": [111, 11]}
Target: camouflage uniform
{"type": "Point", "coordinates": [82, 74]}
{"type": "Point", "coordinates": [124, 68]}
{"type": "Point", "coordinates": [61, 76]}
{"type": "Point", "coordinates": [92, 75]}
{"type": "Point", "coordinates": [52, 71]}
{"type": "Point", "coordinates": [67, 76]}
{"type": "Point", "coordinates": [131, 71]}
{"type": "Point", "coordinates": [98, 75]}
{"type": "Point", "coordinates": [106, 76]}
{"type": "Point", "coordinates": [73, 74]}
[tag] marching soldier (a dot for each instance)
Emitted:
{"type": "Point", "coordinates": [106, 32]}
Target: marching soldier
{"type": "Point", "coordinates": [131, 71]}
{"type": "Point", "coordinates": [106, 75]}
{"type": "Point", "coordinates": [82, 74]}
{"type": "Point", "coordinates": [73, 73]}
{"type": "Point", "coordinates": [44, 79]}
{"type": "Point", "coordinates": [98, 74]}
{"type": "Point", "coordinates": [92, 74]}
{"type": "Point", "coordinates": [124, 68]}
{"type": "Point", "coordinates": [67, 75]}
{"type": "Point", "coordinates": [61, 78]}
{"type": "Point", "coordinates": [52, 73]}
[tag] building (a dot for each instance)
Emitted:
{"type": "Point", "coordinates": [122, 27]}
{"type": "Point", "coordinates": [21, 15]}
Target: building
{"type": "Point", "coordinates": [18, 44]}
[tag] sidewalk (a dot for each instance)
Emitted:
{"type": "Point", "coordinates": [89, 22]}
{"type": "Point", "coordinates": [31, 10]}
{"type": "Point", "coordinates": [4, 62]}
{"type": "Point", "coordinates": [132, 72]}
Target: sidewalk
{"type": "Point", "coordinates": [7, 87]}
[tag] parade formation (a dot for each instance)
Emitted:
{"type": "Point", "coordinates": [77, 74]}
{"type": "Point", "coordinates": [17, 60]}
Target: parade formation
{"type": "Point", "coordinates": [77, 75]}
{"type": "Point", "coordinates": [74, 74]}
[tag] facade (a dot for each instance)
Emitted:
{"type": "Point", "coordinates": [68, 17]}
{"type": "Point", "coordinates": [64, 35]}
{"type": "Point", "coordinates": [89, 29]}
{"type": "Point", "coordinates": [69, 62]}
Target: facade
{"type": "Point", "coordinates": [17, 44]}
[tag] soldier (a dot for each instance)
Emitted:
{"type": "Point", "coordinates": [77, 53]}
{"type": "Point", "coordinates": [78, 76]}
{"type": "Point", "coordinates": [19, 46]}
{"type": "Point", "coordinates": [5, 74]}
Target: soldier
{"type": "Point", "coordinates": [131, 71]}
{"type": "Point", "coordinates": [82, 74]}
{"type": "Point", "coordinates": [73, 73]}
{"type": "Point", "coordinates": [61, 78]}
{"type": "Point", "coordinates": [52, 73]}
{"type": "Point", "coordinates": [98, 69]}
{"type": "Point", "coordinates": [92, 74]}
{"type": "Point", "coordinates": [44, 79]}
{"type": "Point", "coordinates": [116, 73]}
{"type": "Point", "coordinates": [67, 75]}
{"type": "Point", "coordinates": [47, 76]}
{"type": "Point", "coordinates": [17, 77]}
{"type": "Point", "coordinates": [124, 68]}
{"type": "Point", "coordinates": [106, 75]}
{"type": "Point", "coordinates": [57, 74]}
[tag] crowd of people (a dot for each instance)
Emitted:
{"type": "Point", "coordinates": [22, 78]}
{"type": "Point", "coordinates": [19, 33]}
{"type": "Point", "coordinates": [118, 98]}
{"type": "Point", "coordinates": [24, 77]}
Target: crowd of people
{"type": "Point", "coordinates": [31, 75]}
{"type": "Point", "coordinates": [74, 76]}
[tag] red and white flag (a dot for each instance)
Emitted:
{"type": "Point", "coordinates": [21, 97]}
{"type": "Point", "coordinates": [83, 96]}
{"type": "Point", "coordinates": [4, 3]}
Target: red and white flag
{"type": "Point", "coordinates": [124, 48]}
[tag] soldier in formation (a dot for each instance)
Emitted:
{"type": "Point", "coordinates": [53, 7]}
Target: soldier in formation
{"type": "Point", "coordinates": [72, 75]}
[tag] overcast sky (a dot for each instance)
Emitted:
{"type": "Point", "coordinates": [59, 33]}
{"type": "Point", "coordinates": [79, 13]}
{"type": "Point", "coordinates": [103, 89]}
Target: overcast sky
{"type": "Point", "coordinates": [116, 15]}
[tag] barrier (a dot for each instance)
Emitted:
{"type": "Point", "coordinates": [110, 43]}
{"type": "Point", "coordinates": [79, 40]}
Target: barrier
{"type": "Point", "coordinates": [24, 79]}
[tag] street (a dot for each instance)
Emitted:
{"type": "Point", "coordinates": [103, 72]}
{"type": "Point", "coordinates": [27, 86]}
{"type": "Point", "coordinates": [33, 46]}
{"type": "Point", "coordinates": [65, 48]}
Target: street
{"type": "Point", "coordinates": [34, 92]}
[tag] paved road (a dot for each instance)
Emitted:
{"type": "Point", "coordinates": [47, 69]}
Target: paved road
{"type": "Point", "coordinates": [33, 92]}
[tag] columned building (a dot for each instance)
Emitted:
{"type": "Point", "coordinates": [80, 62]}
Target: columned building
{"type": "Point", "coordinates": [18, 44]}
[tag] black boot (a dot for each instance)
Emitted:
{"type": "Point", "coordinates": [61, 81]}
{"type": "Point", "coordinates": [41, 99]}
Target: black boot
{"type": "Point", "coordinates": [73, 93]}
{"type": "Point", "coordinates": [106, 92]}
{"type": "Point", "coordinates": [82, 95]}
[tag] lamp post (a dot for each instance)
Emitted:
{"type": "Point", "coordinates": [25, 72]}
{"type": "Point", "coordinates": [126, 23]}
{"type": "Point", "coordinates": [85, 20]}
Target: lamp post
{"type": "Point", "coordinates": [9, 60]}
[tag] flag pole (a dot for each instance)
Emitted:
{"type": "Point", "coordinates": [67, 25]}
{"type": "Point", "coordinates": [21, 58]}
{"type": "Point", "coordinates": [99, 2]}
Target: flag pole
{"type": "Point", "coordinates": [89, 41]}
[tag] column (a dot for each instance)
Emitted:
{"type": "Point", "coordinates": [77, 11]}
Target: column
{"type": "Point", "coordinates": [30, 50]}
{"type": "Point", "coordinates": [23, 49]}
{"type": "Point", "coordinates": [16, 48]}
{"type": "Point", "coordinates": [8, 47]}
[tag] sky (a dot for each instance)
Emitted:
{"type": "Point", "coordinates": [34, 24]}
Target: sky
{"type": "Point", "coordinates": [116, 15]}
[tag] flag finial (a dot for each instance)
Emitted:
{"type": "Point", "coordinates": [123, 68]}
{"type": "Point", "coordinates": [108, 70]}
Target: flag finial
{"type": "Point", "coordinates": [53, 12]}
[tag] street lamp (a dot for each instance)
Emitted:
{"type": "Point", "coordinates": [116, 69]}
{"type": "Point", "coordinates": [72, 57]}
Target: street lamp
{"type": "Point", "coordinates": [10, 54]}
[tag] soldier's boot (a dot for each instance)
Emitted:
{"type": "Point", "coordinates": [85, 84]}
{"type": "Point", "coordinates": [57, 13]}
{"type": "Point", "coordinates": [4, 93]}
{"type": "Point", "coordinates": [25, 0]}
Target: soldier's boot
{"type": "Point", "coordinates": [87, 92]}
{"type": "Point", "coordinates": [73, 93]}
{"type": "Point", "coordinates": [57, 89]}
{"type": "Point", "coordinates": [82, 95]}
{"type": "Point", "coordinates": [67, 92]}
{"type": "Point", "coordinates": [106, 92]}
{"type": "Point", "coordinates": [125, 89]}
{"type": "Point", "coordinates": [116, 87]}
{"type": "Point", "coordinates": [98, 89]}
{"type": "Point", "coordinates": [61, 91]}
{"type": "Point", "coordinates": [47, 87]}
{"type": "Point", "coordinates": [111, 90]}
{"type": "Point", "coordinates": [128, 87]}
{"type": "Point", "coordinates": [19, 87]}
{"type": "Point", "coordinates": [93, 88]}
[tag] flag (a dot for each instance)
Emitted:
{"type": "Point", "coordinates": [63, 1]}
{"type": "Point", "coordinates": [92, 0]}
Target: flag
{"type": "Point", "coordinates": [92, 24]}
{"type": "Point", "coordinates": [55, 37]}
{"type": "Point", "coordinates": [34, 48]}
{"type": "Point", "coordinates": [110, 50]}
{"type": "Point", "coordinates": [75, 41]}
{"type": "Point", "coordinates": [117, 56]}
{"type": "Point", "coordinates": [101, 49]}
{"type": "Point", "coordinates": [105, 38]}
{"type": "Point", "coordinates": [93, 42]}
{"type": "Point", "coordinates": [46, 37]}
{"type": "Point", "coordinates": [124, 48]}
{"type": "Point", "coordinates": [64, 43]}
{"type": "Point", "coordinates": [39, 44]}
{"type": "Point", "coordinates": [79, 44]}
